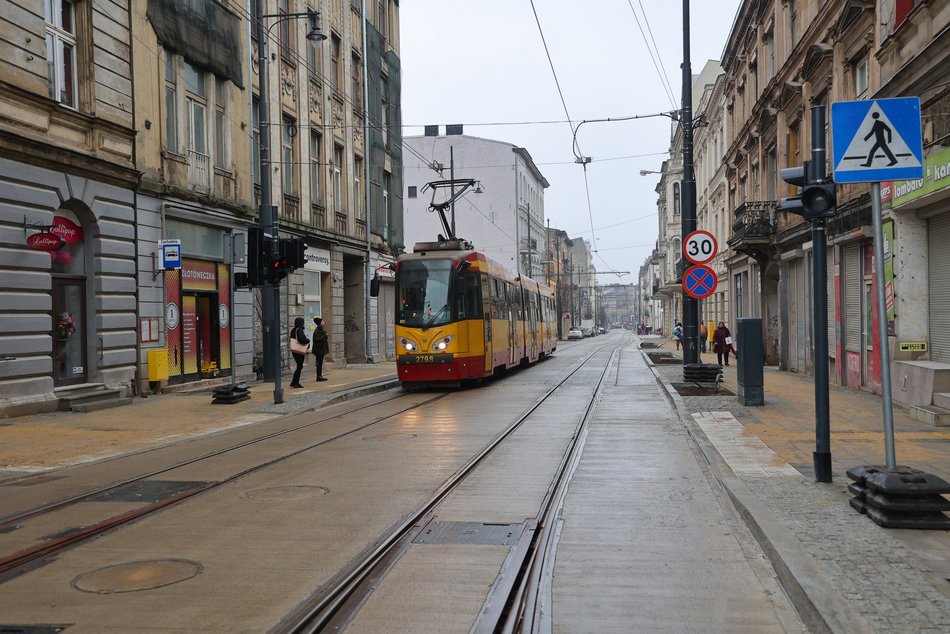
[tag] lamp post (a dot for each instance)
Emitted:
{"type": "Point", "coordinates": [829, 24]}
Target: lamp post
{"type": "Point", "coordinates": [267, 217]}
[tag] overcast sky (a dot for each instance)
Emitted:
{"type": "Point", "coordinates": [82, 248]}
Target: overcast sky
{"type": "Point", "coordinates": [484, 62]}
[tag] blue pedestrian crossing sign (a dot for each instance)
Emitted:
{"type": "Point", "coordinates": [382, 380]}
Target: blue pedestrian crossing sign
{"type": "Point", "coordinates": [877, 140]}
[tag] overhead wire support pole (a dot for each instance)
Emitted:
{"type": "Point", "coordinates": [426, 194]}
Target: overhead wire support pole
{"type": "Point", "coordinates": [688, 191]}
{"type": "Point", "coordinates": [367, 148]}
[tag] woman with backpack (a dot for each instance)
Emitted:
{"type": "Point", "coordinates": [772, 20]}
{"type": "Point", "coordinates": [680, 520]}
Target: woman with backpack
{"type": "Point", "coordinates": [678, 334]}
{"type": "Point", "coordinates": [298, 347]}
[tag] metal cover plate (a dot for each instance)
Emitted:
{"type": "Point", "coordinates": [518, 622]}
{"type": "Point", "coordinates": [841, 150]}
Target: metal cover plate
{"type": "Point", "coordinates": [31, 629]}
{"type": "Point", "coordinates": [469, 533]}
{"type": "Point", "coordinates": [147, 491]}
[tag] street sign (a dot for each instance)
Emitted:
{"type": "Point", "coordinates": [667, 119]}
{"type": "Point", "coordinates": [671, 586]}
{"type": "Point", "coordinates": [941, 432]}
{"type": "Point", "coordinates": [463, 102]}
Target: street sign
{"type": "Point", "coordinates": [171, 254]}
{"type": "Point", "coordinates": [700, 247]}
{"type": "Point", "coordinates": [699, 281]}
{"type": "Point", "coordinates": [876, 140]}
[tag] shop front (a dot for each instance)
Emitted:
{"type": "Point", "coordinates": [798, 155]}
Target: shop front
{"type": "Point", "coordinates": [198, 321]}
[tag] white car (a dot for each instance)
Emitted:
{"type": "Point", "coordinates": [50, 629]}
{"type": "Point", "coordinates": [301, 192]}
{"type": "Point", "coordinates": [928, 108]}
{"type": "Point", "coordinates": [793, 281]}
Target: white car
{"type": "Point", "coordinates": [575, 333]}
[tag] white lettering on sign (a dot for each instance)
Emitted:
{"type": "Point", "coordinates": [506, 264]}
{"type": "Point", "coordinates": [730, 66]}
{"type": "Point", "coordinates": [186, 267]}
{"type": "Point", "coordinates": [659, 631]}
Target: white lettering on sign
{"type": "Point", "coordinates": [907, 187]}
{"type": "Point", "coordinates": [198, 275]}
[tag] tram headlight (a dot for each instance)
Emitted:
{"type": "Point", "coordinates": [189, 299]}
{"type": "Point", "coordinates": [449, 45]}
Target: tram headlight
{"type": "Point", "coordinates": [442, 343]}
{"type": "Point", "coordinates": [408, 344]}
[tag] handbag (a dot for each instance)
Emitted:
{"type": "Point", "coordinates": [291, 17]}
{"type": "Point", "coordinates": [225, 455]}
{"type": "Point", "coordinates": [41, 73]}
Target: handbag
{"type": "Point", "coordinates": [728, 341]}
{"type": "Point", "coordinates": [296, 346]}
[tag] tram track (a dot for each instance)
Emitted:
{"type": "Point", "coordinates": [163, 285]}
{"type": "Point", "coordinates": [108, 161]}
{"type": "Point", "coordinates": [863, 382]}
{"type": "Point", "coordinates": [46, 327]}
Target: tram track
{"type": "Point", "coordinates": [13, 563]}
{"type": "Point", "coordinates": [333, 606]}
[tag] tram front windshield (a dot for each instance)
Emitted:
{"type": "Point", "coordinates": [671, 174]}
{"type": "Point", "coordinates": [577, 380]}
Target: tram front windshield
{"type": "Point", "coordinates": [424, 291]}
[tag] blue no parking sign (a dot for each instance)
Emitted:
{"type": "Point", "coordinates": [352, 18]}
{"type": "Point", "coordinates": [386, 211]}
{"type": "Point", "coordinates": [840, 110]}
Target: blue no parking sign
{"type": "Point", "coordinates": [699, 281]}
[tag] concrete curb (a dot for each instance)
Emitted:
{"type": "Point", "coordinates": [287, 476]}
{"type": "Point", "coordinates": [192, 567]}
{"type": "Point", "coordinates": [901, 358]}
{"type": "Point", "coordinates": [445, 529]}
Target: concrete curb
{"type": "Point", "coordinates": [815, 597]}
{"type": "Point", "coordinates": [364, 389]}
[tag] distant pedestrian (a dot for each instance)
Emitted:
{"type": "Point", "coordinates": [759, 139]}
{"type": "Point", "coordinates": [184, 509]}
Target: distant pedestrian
{"type": "Point", "coordinates": [321, 346]}
{"type": "Point", "coordinates": [298, 347]}
{"type": "Point", "coordinates": [722, 342]}
{"type": "Point", "coordinates": [703, 335]}
{"type": "Point", "coordinates": [678, 334]}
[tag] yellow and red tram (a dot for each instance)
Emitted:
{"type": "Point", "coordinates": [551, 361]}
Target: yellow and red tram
{"type": "Point", "coordinates": [462, 316]}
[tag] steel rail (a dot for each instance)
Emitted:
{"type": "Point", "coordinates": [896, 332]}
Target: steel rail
{"type": "Point", "coordinates": [333, 607]}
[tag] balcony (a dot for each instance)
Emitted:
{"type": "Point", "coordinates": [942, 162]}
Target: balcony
{"type": "Point", "coordinates": [340, 223]}
{"type": "Point", "coordinates": [753, 228]}
{"type": "Point", "coordinates": [199, 171]}
{"type": "Point", "coordinates": [360, 229]}
{"type": "Point", "coordinates": [291, 210]}
{"type": "Point", "coordinates": [318, 217]}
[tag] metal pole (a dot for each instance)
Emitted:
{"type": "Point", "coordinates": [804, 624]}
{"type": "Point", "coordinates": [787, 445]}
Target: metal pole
{"type": "Point", "coordinates": [822, 454]}
{"type": "Point", "coordinates": [452, 177]}
{"type": "Point", "coordinates": [231, 303]}
{"type": "Point", "coordinates": [557, 297]}
{"type": "Point", "coordinates": [885, 357]}
{"type": "Point", "coordinates": [267, 219]}
{"type": "Point", "coordinates": [688, 194]}
{"type": "Point", "coordinates": [366, 161]}
{"type": "Point", "coordinates": [530, 268]}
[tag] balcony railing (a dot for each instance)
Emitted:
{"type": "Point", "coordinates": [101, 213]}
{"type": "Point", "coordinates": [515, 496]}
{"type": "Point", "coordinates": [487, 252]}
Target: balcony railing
{"type": "Point", "coordinates": [199, 171]}
{"type": "Point", "coordinates": [318, 217]}
{"type": "Point", "coordinates": [340, 223]}
{"type": "Point", "coordinates": [360, 229]}
{"type": "Point", "coordinates": [291, 210]}
{"type": "Point", "coordinates": [754, 227]}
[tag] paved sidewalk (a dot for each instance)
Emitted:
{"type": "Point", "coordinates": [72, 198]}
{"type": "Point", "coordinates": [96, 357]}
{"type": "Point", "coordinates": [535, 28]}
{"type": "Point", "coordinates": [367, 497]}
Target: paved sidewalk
{"type": "Point", "coordinates": [845, 573]}
{"type": "Point", "coordinates": [45, 441]}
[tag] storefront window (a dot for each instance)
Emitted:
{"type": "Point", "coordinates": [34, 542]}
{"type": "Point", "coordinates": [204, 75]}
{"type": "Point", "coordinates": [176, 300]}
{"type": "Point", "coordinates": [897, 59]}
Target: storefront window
{"type": "Point", "coordinates": [69, 259]}
{"type": "Point", "coordinates": [196, 240]}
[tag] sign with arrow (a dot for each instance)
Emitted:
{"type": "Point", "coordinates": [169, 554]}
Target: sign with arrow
{"type": "Point", "coordinates": [876, 140]}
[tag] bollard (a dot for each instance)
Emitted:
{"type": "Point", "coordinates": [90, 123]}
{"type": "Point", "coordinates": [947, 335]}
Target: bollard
{"type": "Point", "coordinates": [749, 361]}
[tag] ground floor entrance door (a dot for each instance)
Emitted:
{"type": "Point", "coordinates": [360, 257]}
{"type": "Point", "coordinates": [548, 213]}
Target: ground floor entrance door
{"type": "Point", "coordinates": [69, 331]}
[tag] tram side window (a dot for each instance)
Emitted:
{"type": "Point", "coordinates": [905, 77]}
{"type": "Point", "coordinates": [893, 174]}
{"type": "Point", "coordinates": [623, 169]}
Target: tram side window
{"type": "Point", "coordinates": [468, 297]}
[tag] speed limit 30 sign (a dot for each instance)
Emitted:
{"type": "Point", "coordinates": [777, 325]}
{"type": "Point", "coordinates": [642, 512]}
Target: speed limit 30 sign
{"type": "Point", "coordinates": [700, 247]}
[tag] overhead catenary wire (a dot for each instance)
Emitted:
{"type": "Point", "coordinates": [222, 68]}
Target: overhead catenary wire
{"type": "Point", "coordinates": [664, 82]}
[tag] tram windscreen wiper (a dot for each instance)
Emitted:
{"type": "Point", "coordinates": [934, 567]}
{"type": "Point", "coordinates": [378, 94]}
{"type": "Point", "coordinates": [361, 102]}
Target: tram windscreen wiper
{"type": "Point", "coordinates": [432, 319]}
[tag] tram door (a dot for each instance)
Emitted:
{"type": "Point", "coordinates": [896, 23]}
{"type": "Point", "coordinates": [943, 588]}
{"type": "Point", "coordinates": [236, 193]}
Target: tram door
{"type": "Point", "coordinates": [513, 309]}
{"type": "Point", "coordinates": [487, 312]}
{"type": "Point", "coordinates": [532, 309]}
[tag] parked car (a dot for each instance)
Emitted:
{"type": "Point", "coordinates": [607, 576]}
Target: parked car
{"type": "Point", "coordinates": [575, 333]}
{"type": "Point", "coordinates": [587, 331]}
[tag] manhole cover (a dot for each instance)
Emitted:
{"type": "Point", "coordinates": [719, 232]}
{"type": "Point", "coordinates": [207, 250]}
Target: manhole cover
{"type": "Point", "coordinates": [286, 493]}
{"type": "Point", "coordinates": [472, 533]}
{"type": "Point", "coordinates": [137, 575]}
{"type": "Point", "coordinates": [391, 436]}
{"type": "Point", "coordinates": [693, 389]}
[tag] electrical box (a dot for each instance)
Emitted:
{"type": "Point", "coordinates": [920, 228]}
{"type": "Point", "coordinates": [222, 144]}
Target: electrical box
{"type": "Point", "coordinates": [158, 365]}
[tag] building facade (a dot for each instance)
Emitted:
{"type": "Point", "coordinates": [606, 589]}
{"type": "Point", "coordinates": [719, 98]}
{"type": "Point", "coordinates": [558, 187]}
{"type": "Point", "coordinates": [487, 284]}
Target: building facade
{"type": "Point", "coordinates": [67, 203]}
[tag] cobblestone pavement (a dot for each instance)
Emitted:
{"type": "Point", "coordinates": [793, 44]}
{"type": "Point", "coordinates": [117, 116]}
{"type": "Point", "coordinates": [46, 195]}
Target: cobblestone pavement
{"type": "Point", "coordinates": [886, 580]}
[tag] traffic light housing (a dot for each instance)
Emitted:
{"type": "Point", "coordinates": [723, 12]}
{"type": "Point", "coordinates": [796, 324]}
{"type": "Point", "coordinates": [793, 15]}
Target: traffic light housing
{"type": "Point", "coordinates": [289, 257]}
{"type": "Point", "coordinates": [255, 261]}
{"type": "Point", "coordinates": [816, 199]}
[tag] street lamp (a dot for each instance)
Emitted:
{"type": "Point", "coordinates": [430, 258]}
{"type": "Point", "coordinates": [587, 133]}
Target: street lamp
{"type": "Point", "coordinates": [645, 172]}
{"type": "Point", "coordinates": [267, 217]}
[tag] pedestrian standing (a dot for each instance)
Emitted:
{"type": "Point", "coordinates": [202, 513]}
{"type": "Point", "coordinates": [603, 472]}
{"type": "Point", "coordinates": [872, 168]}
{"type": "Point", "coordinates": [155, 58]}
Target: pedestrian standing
{"type": "Point", "coordinates": [722, 342]}
{"type": "Point", "coordinates": [703, 335]}
{"type": "Point", "coordinates": [298, 347]}
{"type": "Point", "coordinates": [321, 346]}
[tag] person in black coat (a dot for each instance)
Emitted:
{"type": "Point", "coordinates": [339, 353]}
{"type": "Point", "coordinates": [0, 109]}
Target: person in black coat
{"type": "Point", "coordinates": [298, 347]}
{"type": "Point", "coordinates": [321, 346]}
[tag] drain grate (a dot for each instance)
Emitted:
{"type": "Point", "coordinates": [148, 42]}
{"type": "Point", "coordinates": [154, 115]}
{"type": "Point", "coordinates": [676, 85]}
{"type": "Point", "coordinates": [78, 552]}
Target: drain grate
{"type": "Point", "coordinates": [30, 481]}
{"type": "Point", "coordinates": [469, 533]}
{"type": "Point", "coordinates": [31, 629]}
{"type": "Point", "coordinates": [148, 491]}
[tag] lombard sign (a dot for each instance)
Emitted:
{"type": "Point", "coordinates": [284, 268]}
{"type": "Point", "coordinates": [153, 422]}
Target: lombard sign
{"type": "Point", "coordinates": [936, 177]}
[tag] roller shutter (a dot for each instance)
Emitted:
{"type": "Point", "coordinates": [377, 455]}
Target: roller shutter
{"type": "Point", "coordinates": [852, 297]}
{"type": "Point", "coordinates": [938, 234]}
{"type": "Point", "coordinates": [832, 293]}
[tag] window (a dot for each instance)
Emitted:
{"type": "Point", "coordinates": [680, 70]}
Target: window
{"type": "Point", "coordinates": [337, 175]}
{"type": "Point", "coordinates": [793, 22]}
{"type": "Point", "coordinates": [768, 43]}
{"type": "Point", "coordinates": [356, 83]}
{"type": "Point", "coordinates": [315, 168]}
{"type": "Point", "coordinates": [387, 212]}
{"type": "Point", "coordinates": [196, 106]}
{"type": "Point", "coordinates": [61, 51]}
{"type": "Point", "coordinates": [221, 137]}
{"type": "Point", "coordinates": [381, 18]}
{"type": "Point", "coordinates": [861, 77]}
{"type": "Point", "coordinates": [413, 191]}
{"type": "Point", "coordinates": [676, 199]}
{"type": "Point", "coordinates": [288, 133]}
{"type": "Point", "coordinates": [358, 187]}
{"type": "Point", "coordinates": [171, 104]}
{"type": "Point", "coordinates": [791, 145]}
{"type": "Point", "coordinates": [384, 92]}
{"type": "Point", "coordinates": [335, 62]}
{"type": "Point", "coordinates": [284, 33]}
{"type": "Point", "coordinates": [256, 141]}
{"type": "Point", "coordinates": [770, 174]}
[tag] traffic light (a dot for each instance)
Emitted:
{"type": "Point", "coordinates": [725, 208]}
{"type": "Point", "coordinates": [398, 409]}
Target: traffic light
{"type": "Point", "coordinates": [289, 257]}
{"type": "Point", "coordinates": [255, 261]}
{"type": "Point", "coordinates": [816, 199]}
{"type": "Point", "coordinates": [277, 267]}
